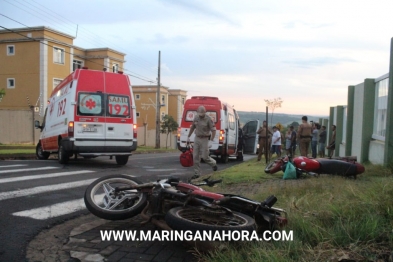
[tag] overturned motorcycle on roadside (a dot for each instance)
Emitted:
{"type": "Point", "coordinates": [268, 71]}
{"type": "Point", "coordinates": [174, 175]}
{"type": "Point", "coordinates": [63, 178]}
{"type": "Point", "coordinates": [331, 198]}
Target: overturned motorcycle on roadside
{"type": "Point", "coordinates": [174, 205]}
{"type": "Point", "coordinates": [343, 166]}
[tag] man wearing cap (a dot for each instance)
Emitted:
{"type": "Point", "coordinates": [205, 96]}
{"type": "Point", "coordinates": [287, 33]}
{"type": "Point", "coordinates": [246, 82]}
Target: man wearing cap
{"type": "Point", "coordinates": [205, 131]}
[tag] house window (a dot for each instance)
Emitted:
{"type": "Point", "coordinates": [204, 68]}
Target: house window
{"type": "Point", "coordinates": [76, 64]}
{"type": "Point", "coordinates": [58, 55]}
{"type": "Point", "coordinates": [10, 82]}
{"type": "Point", "coordinates": [162, 116]}
{"type": "Point", "coordinates": [182, 100]}
{"type": "Point", "coordinates": [380, 109]}
{"type": "Point", "coordinates": [137, 96]}
{"type": "Point", "coordinates": [162, 100]}
{"type": "Point", "coordinates": [115, 68]}
{"type": "Point", "coordinates": [138, 114]}
{"type": "Point", "coordinates": [10, 50]}
{"type": "Point", "coordinates": [56, 82]}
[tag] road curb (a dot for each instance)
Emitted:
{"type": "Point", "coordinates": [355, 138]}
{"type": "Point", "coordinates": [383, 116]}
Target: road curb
{"type": "Point", "coordinates": [33, 156]}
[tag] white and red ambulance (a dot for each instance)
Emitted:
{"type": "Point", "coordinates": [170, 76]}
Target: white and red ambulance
{"type": "Point", "coordinates": [225, 118]}
{"type": "Point", "coordinates": [90, 113]}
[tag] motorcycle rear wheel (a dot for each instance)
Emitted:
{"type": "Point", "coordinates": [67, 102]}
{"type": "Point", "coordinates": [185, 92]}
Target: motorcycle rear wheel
{"type": "Point", "coordinates": [102, 200]}
{"type": "Point", "coordinates": [196, 219]}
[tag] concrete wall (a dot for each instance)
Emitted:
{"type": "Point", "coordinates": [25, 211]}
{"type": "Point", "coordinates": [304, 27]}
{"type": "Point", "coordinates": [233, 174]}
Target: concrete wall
{"type": "Point", "coordinates": [356, 149]}
{"type": "Point", "coordinates": [16, 127]}
{"type": "Point", "coordinates": [376, 152]}
{"type": "Point", "coordinates": [150, 138]}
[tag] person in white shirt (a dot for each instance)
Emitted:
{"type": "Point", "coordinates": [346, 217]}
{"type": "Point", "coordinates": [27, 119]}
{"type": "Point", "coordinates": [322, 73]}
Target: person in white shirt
{"type": "Point", "coordinates": [276, 142]}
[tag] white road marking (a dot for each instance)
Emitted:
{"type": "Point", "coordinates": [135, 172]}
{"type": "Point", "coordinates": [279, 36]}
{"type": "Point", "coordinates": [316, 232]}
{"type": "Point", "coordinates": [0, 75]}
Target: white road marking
{"type": "Point", "coordinates": [27, 169]}
{"type": "Point", "coordinates": [43, 189]}
{"type": "Point", "coordinates": [22, 178]}
{"type": "Point", "coordinates": [12, 166]}
{"type": "Point", "coordinates": [161, 170]}
{"type": "Point", "coordinates": [55, 210]}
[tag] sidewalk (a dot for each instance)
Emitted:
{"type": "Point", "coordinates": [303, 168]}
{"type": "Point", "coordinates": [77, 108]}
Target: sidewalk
{"type": "Point", "coordinates": [80, 239]}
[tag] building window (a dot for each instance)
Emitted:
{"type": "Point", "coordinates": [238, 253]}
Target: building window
{"type": "Point", "coordinates": [380, 109]}
{"type": "Point", "coordinates": [162, 116]}
{"type": "Point", "coordinates": [77, 64]}
{"type": "Point", "coordinates": [182, 100]}
{"type": "Point", "coordinates": [115, 68]}
{"type": "Point", "coordinates": [10, 50]}
{"type": "Point", "coordinates": [58, 55]}
{"type": "Point", "coordinates": [10, 82]}
{"type": "Point", "coordinates": [56, 82]}
{"type": "Point", "coordinates": [138, 114]}
{"type": "Point", "coordinates": [162, 100]}
{"type": "Point", "coordinates": [137, 96]}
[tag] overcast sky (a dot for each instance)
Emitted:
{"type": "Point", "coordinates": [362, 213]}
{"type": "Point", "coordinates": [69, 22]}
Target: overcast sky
{"type": "Point", "coordinates": [306, 52]}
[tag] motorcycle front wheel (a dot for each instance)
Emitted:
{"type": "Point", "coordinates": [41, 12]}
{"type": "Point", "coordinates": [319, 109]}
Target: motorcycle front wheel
{"type": "Point", "coordinates": [102, 200]}
{"type": "Point", "coordinates": [201, 218]}
{"type": "Point", "coordinates": [274, 166]}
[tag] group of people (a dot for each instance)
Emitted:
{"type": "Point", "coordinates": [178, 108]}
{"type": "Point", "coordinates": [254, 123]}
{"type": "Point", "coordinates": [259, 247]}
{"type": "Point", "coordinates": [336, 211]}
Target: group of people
{"type": "Point", "coordinates": [270, 141]}
{"type": "Point", "coordinates": [313, 134]}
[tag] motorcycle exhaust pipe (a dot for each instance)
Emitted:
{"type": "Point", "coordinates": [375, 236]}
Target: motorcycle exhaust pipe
{"type": "Point", "coordinates": [269, 202]}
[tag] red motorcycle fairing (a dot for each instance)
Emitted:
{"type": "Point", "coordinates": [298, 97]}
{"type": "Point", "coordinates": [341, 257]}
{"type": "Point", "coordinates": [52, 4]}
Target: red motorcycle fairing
{"type": "Point", "coordinates": [185, 188]}
{"type": "Point", "coordinates": [306, 164]}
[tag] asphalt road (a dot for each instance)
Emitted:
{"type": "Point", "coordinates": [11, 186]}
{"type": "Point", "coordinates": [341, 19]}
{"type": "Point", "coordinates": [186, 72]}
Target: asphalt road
{"type": "Point", "coordinates": [37, 194]}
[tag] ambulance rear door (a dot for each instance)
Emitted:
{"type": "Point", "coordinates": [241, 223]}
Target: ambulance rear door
{"type": "Point", "coordinates": [120, 112]}
{"type": "Point", "coordinates": [89, 126]}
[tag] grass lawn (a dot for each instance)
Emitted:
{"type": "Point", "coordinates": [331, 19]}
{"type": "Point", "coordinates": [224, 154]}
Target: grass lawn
{"type": "Point", "coordinates": [332, 218]}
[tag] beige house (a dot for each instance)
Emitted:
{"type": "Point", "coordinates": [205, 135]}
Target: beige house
{"type": "Point", "coordinates": [34, 60]}
{"type": "Point", "coordinates": [172, 102]}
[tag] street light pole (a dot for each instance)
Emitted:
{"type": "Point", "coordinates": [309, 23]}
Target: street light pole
{"type": "Point", "coordinates": [158, 104]}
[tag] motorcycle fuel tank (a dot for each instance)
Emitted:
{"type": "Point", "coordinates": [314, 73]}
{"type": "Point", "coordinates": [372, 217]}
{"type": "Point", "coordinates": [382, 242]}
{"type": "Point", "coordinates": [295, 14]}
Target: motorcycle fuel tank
{"type": "Point", "coordinates": [306, 164]}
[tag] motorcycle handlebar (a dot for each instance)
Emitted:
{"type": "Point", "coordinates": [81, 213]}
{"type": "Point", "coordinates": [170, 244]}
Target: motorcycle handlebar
{"type": "Point", "coordinates": [207, 182]}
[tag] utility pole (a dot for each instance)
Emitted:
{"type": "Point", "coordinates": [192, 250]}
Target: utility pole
{"type": "Point", "coordinates": [158, 107]}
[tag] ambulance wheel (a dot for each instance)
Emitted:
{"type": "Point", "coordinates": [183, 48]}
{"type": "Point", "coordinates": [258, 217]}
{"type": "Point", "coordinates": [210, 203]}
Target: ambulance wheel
{"type": "Point", "coordinates": [224, 159]}
{"type": "Point", "coordinates": [41, 154]}
{"type": "Point", "coordinates": [63, 155]}
{"type": "Point", "coordinates": [121, 160]}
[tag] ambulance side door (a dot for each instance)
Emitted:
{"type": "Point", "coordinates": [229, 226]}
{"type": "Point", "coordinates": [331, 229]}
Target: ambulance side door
{"type": "Point", "coordinates": [250, 136]}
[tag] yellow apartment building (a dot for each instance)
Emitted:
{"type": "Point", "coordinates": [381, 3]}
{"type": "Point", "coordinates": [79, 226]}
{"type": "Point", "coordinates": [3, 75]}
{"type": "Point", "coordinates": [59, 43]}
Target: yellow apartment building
{"type": "Point", "coordinates": [172, 102]}
{"type": "Point", "coordinates": [36, 59]}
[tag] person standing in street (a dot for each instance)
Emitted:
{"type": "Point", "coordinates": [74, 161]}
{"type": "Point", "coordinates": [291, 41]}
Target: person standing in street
{"type": "Point", "coordinates": [262, 132]}
{"type": "Point", "coordinates": [205, 131]}
{"type": "Point", "coordinates": [332, 143]}
{"type": "Point", "coordinates": [293, 141]}
{"type": "Point", "coordinates": [314, 140]}
{"type": "Point", "coordinates": [304, 136]}
{"type": "Point", "coordinates": [322, 141]}
{"type": "Point", "coordinates": [276, 142]}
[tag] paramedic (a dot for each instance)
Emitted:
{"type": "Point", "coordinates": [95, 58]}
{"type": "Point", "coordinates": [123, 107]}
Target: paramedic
{"type": "Point", "coordinates": [205, 131]}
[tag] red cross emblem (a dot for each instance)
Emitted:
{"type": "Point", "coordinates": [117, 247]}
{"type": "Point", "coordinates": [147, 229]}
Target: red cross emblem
{"type": "Point", "coordinates": [90, 104]}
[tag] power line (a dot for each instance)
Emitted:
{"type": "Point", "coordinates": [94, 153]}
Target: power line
{"type": "Point", "coordinates": [95, 39]}
{"type": "Point", "coordinates": [133, 73]}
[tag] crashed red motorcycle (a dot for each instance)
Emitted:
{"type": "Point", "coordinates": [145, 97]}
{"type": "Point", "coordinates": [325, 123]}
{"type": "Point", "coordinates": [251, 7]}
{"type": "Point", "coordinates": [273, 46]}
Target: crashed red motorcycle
{"type": "Point", "coordinates": [344, 166]}
{"type": "Point", "coordinates": [172, 204]}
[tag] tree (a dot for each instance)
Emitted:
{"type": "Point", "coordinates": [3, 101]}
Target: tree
{"type": "Point", "coordinates": [2, 94]}
{"type": "Point", "coordinates": [168, 125]}
{"type": "Point", "coordinates": [273, 104]}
